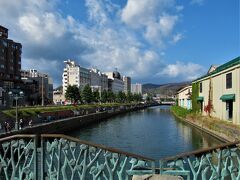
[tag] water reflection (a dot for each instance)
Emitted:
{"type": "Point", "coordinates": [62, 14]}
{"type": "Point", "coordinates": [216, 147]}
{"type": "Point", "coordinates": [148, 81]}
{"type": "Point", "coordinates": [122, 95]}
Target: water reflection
{"type": "Point", "coordinates": [152, 132]}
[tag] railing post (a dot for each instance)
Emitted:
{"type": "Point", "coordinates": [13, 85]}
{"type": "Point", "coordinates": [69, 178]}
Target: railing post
{"type": "Point", "coordinates": [42, 157]}
{"type": "Point", "coordinates": [153, 167]}
{"type": "Point", "coordinates": [161, 167]}
{"type": "Point", "coordinates": [35, 157]}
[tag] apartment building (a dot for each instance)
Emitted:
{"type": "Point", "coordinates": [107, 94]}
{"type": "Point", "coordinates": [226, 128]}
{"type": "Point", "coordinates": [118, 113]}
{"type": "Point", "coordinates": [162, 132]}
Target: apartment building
{"type": "Point", "coordinates": [127, 84]}
{"type": "Point", "coordinates": [73, 74]}
{"type": "Point", "coordinates": [10, 64]}
{"type": "Point", "coordinates": [136, 88]}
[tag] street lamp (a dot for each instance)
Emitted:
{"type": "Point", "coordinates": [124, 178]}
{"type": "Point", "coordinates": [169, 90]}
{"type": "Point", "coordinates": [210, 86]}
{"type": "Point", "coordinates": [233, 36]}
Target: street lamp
{"type": "Point", "coordinates": [16, 96]}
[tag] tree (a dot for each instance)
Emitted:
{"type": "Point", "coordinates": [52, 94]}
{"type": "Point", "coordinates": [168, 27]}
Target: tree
{"type": "Point", "coordinates": [121, 97]}
{"type": "Point", "coordinates": [104, 96]}
{"type": "Point", "coordinates": [87, 94]}
{"type": "Point", "coordinates": [96, 96]}
{"type": "Point", "coordinates": [111, 96]}
{"type": "Point", "coordinates": [129, 97]}
{"type": "Point", "coordinates": [73, 94]}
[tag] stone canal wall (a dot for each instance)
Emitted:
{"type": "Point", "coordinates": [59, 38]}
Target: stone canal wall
{"type": "Point", "coordinates": [222, 130]}
{"type": "Point", "coordinates": [68, 124]}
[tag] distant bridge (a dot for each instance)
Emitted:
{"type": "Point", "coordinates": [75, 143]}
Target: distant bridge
{"type": "Point", "coordinates": [170, 103]}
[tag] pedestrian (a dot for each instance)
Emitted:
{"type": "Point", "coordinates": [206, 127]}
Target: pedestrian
{"type": "Point", "coordinates": [20, 124]}
{"type": "Point", "coordinates": [30, 123]}
{"type": "Point", "coordinates": [5, 126]}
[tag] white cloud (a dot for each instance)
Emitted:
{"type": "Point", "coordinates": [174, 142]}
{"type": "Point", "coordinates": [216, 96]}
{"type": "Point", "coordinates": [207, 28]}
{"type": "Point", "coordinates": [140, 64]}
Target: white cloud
{"type": "Point", "coordinates": [48, 37]}
{"type": "Point", "coordinates": [188, 71]}
{"type": "Point", "coordinates": [153, 17]}
{"type": "Point", "coordinates": [177, 37]}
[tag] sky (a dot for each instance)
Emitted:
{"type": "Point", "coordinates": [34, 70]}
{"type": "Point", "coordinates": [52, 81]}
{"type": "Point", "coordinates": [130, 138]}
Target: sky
{"type": "Point", "coordinates": [152, 41]}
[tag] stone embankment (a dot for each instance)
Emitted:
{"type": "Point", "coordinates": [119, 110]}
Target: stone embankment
{"type": "Point", "coordinates": [220, 129]}
{"type": "Point", "coordinates": [71, 123]}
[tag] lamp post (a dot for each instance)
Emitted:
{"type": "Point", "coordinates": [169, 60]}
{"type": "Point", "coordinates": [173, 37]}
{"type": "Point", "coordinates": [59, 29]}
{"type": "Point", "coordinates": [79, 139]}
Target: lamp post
{"type": "Point", "coordinates": [16, 96]}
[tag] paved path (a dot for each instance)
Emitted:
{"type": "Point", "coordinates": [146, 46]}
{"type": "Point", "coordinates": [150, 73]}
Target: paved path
{"type": "Point", "coordinates": [156, 177]}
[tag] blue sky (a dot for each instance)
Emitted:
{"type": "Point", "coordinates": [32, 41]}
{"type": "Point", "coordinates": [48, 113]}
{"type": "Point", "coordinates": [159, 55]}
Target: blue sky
{"type": "Point", "coordinates": [154, 41]}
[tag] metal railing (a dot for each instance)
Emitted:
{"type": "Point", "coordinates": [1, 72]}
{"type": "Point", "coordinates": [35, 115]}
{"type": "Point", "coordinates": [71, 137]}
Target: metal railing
{"type": "Point", "coordinates": [56, 156]}
{"type": "Point", "coordinates": [220, 162]}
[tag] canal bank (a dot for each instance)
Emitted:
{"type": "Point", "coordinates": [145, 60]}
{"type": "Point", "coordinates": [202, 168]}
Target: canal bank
{"type": "Point", "coordinates": [72, 123]}
{"type": "Point", "coordinates": [224, 131]}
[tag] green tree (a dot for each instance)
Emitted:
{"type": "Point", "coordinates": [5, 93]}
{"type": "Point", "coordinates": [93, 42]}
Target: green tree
{"type": "Point", "coordinates": [111, 96]}
{"type": "Point", "coordinates": [96, 96]}
{"type": "Point", "coordinates": [129, 97]}
{"type": "Point", "coordinates": [104, 96]}
{"type": "Point", "coordinates": [73, 94]}
{"type": "Point", "coordinates": [121, 97]}
{"type": "Point", "coordinates": [87, 94]}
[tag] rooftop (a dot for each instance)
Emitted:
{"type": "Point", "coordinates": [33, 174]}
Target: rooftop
{"type": "Point", "coordinates": [223, 67]}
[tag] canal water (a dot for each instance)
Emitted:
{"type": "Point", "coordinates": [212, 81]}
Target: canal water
{"type": "Point", "coordinates": [153, 132]}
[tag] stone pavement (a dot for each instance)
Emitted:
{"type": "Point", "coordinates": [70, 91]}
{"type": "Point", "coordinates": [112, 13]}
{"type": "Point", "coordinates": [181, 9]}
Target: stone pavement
{"type": "Point", "coordinates": [156, 177]}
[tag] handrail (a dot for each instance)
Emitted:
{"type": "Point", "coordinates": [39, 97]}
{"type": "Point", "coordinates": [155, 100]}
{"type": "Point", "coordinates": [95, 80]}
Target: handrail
{"type": "Point", "coordinates": [18, 136]}
{"type": "Point", "coordinates": [96, 145]}
{"type": "Point", "coordinates": [201, 151]}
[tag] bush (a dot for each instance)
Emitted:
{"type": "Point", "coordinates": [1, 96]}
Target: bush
{"type": "Point", "coordinates": [180, 111]}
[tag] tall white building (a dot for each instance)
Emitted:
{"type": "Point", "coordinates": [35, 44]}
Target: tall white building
{"type": "Point", "coordinates": [127, 84]}
{"type": "Point", "coordinates": [99, 81]}
{"type": "Point", "coordinates": [74, 74]}
{"type": "Point", "coordinates": [136, 88]}
{"type": "Point", "coordinates": [115, 82]}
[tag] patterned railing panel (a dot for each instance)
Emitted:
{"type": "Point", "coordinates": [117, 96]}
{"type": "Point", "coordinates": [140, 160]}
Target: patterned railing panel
{"type": "Point", "coordinates": [65, 158]}
{"type": "Point", "coordinates": [215, 164]}
{"type": "Point", "coordinates": [18, 158]}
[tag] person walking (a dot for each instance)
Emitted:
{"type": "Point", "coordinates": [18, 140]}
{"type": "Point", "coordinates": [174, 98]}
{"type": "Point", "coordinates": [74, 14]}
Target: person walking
{"type": "Point", "coordinates": [20, 124]}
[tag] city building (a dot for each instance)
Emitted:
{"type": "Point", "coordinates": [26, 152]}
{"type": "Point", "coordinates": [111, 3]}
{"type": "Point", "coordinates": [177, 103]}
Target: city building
{"type": "Point", "coordinates": [58, 97]}
{"type": "Point", "coordinates": [99, 80]}
{"type": "Point", "coordinates": [1, 97]}
{"type": "Point", "coordinates": [39, 84]}
{"type": "Point", "coordinates": [127, 84]}
{"type": "Point", "coordinates": [219, 89]}
{"type": "Point", "coordinates": [10, 63]}
{"type": "Point", "coordinates": [136, 88]}
{"type": "Point", "coordinates": [115, 82]}
{"type": "Point", "coordinates": [74, 74]}
{"type": "Point", "coordinates": [184, 97]}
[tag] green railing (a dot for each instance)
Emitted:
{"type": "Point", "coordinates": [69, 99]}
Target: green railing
{"type": "Point", "coordinates": [217, 163]}
{"type": "Point", "coordinates": [55, 156]}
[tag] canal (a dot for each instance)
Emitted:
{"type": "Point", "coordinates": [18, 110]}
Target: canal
{"type": "Point", "coordinates": [153, 132]}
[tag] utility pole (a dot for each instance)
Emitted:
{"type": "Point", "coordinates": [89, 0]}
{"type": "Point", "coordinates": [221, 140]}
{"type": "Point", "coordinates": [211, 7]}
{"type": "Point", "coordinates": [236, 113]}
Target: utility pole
{"type": "Point", "coordinates": [42, 92]}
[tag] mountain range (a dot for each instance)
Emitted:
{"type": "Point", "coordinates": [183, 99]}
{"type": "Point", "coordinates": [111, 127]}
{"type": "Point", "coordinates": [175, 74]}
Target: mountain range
{"type": "Point", "coordinates": [163, 89]}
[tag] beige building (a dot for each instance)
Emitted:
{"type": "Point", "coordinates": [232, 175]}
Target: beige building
{"type": "Point", "coordinates": [221, 88]}
{"type": "Point", "coordinates": [73, 74]}
{"type": "Point", "coordinates": [184, 97]}
{"type": "Point", "coordinates": [136, 88]}
{"type": "Point", "coordinates": [58, 97]}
